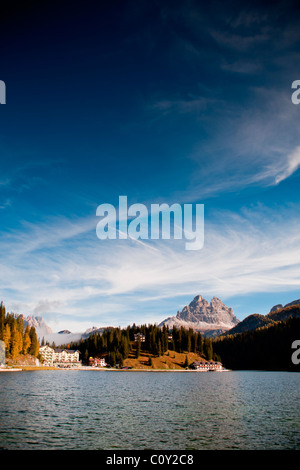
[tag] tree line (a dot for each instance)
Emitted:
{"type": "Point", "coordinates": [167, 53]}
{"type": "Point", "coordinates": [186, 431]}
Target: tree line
{"type": "Point", "coordinates": [18, 338]}
{"type": "Point", "coordinates": [116, 343]}
{"type": "Point", "coordinates": [266, 348]}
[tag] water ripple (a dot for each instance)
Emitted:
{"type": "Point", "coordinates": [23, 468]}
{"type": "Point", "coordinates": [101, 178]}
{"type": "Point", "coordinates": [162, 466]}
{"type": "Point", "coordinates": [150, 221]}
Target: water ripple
{"type": "Point", "coordinates": [90, 410]}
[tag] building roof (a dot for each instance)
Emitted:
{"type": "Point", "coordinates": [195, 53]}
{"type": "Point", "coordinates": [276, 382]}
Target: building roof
{"type": "Point", "coordinates": [70, 351]}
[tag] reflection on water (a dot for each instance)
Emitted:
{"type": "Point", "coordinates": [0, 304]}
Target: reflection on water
{"type": "Point", "coordinates": [149, 410]}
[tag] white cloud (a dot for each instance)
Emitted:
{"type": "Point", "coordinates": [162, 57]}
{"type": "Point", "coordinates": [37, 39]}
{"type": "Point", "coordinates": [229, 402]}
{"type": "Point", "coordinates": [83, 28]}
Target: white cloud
{"type": "Point", "coordinates": [289, 165]}
{"type": "Point", "coordinates": [112, 282]}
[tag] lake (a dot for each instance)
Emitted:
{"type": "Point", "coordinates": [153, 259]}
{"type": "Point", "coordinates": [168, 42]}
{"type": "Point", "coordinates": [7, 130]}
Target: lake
{"type": "Point", "coordinates": [109, 410]}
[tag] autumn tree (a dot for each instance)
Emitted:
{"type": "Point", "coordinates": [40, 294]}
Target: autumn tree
{"type": "Point", "coordinates": [17, 338]}
{"type": "Point", "coordinates": [6, 336]}
{"type": "Point", "coordinates": [34, 343]}
{"type": "Point", "coordinates": [16, 341]}
{"type": "Point", "coordinates": [26, 340]}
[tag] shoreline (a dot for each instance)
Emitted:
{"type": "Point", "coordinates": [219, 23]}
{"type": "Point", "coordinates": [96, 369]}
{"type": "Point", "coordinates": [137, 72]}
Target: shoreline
{"type": "Point", "coordinates": [99, 369]}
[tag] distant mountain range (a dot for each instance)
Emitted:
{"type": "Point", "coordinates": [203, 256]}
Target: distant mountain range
{"type": "Point", "coordinates": [277, 313]}
{"type": "Point", "coordinates": [210, 319]}
{"type": "Point", "coordinates": [60, 338]}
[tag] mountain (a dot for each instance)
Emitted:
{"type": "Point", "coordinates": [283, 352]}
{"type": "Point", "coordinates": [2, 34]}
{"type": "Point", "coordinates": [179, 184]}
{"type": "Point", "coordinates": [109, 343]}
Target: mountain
{"type": "Point", "coordinates": [280, 306]}
{"type": "Point", "coordinates": [210, 319]}
{"type": "Point", "coordinates": [289, 310]}
{"type": "Point", "coordinates": [277, 313]}
{"type": "Point", "coordinates": [38, 323]}
{"type": "Point", "coordinates": [252, 322]}
{"type": "Point", "coordinates": [60, 338]}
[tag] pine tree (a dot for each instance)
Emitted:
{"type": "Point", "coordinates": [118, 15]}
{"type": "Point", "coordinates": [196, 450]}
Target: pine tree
{"type": "Point", "coordinates": [159, 348]}
{"type": "Point", "coordinates": [189, 343]}
{"type": "Point", "coordinates": [165, 339]}
{"type": "Point", "coordinates": [138, 349]}
{"type": "Point", "coordinates": [199, 345]}
{"type": "Point", "coordinates": [112, 358]}
{"type": "Point", "coordinates": [2, 319]}
{"type": "Point", "coordinates": [208, 349]}
{"type": "Point", "coordinates": [186, 364]}
{"type": "Point", "coordinates": [34, 346]}
{"type": "Point", "coordinates": [179, 343]}
{"type": "Point", "coordinates": [86, 355]}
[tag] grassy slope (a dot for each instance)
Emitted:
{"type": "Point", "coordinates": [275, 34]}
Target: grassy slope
{"type": "Point", "coordinates": [170, 360]}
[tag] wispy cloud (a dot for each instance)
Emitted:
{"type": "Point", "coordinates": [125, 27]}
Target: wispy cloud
{"type": "Point", "coordinates": [252, 146]}
{"type": "Point", "coordinates": [214, 115]}
{"type": "Point", "coordinates": [239, 106]}
{"type": "Point", "coordinates": [120, 281]}
{"type": "Point", "coordinates": [289, 166]}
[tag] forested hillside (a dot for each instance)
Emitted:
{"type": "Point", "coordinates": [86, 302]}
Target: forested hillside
{"type": "Point", "coordinates": [116, 344]}
{"type": "Point", "coordinates": [266, 348]}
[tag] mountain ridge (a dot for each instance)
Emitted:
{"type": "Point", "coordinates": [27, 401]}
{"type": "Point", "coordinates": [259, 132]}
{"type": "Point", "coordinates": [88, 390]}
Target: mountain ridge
{"type": "Point", "coordinates": [276, 314]}
{"type": "Point", "coordinates": [210, 319]}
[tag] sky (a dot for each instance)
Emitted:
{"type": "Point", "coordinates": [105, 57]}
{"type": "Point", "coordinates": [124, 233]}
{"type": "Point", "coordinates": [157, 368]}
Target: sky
{"type": "Point", "coordinates": [185, 102]}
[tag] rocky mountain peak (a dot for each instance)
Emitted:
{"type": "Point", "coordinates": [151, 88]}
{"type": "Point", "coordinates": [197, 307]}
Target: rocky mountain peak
{"type": "Point", "coordinates": [41, 328]}
{"type": "Point", "coordinates": [204, 316]}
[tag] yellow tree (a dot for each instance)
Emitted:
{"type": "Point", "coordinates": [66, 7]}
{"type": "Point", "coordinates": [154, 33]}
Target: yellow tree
{"type": "Point", "coordinates": [34, 346]}
{"type": "Point", "coordinates": [16, 342]}
{"type": "Point", "coordinates": [7, 337]}
{"type": "Point", "coordinates": [26, 340]}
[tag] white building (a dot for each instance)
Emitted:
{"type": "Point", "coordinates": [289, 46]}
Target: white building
{"type": "Point", "coordinates": [97, 362]}
{"type": "Point", "coordinates": [47, 354]}
{"type": "Point", "coordinates": [139, 336]}
{"type": "Point", "coordinates": [59, 357]}
{"type": "Point", "coordinates": [207, 366]}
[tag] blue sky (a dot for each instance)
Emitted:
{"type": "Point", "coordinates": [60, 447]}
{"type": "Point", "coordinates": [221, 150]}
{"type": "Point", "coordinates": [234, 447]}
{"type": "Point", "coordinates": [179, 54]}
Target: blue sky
{"type": "Point", "coordinates": [161, 101]}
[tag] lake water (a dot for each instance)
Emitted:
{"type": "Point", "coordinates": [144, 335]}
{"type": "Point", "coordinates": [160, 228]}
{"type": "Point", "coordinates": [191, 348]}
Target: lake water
{"type": "Point", "coordinates": [149, 410]}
